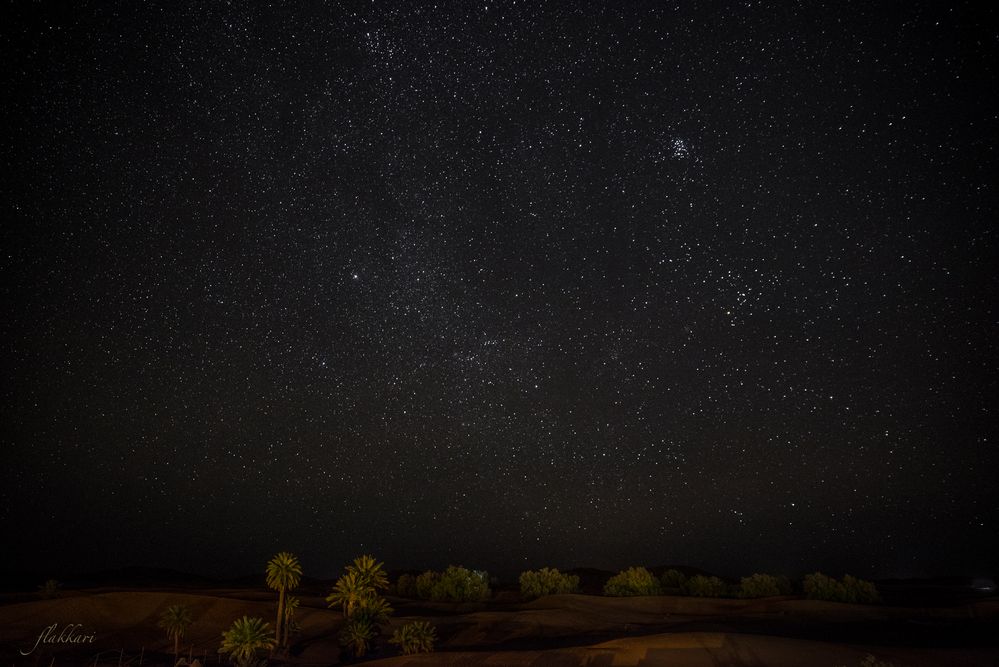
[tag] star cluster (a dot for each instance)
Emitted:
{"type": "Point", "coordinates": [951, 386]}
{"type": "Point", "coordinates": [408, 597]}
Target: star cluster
{"type": "Point", "coordinates": [502, 284]}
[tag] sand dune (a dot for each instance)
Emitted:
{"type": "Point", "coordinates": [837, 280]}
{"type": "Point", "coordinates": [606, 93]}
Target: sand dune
{"type": "Point", "coordinates": [700, 650]}
{"type": "Point", "coordinates": [129, 620]}
{"type": "Point", "coordinates": [556, 630]}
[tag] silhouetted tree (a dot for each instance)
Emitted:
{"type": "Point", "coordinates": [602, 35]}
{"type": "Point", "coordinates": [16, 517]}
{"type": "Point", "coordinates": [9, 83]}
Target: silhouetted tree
{"type": "Point", "coordinates": [284, 573]}
{"type": "Point", "coordinates": [356, 592]}
{"type": "Point", "coordinates": [175, 620]}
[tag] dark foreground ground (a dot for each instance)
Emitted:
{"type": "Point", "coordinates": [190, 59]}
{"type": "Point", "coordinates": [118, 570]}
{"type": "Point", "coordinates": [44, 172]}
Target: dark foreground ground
{"type": "Point", "coordinates": [558, 630]}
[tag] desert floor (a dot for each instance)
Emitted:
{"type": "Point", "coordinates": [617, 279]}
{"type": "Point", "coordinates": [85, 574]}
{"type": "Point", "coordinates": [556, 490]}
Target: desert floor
{"type": "Point", "coordinates": [558, 630]}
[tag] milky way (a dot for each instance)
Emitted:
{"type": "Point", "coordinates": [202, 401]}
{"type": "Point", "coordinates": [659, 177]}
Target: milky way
{"type": "Point", "coordinates": [500, 284]}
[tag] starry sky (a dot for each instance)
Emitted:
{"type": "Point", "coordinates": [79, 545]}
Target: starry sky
{"type": "Point", "coordinates": [501, 284]}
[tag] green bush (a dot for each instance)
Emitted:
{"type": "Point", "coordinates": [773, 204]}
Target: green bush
{"type": "Point", "coordinates": [784, 585]}
{"type": "Point", "coordinates": [405, 586]}
{"type": "Point", "coordinates": [425, 584]}
{"type": "Point", "coordinates": [705, 587]}
{"type": "Point", "coordinates": [673, 579]}
{"type": "Point", "coordinates": [633, 581]}
{"type": "Point", "coordinates": [458, 584]}
{"type": "Point", "coordinates": [416, 637]}
{"type": "Point", "coordinates": [860, 591]}
{"type": "Point", "coordinates": [546, 581]}
{"type": "Point", "coordinates": [758, 586]}
{"type": "Point", "coordinates": [818, 586]}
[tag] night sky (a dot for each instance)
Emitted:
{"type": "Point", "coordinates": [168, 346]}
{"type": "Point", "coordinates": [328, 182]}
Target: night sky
{"type": "Point", "coordinates": [500, 284]}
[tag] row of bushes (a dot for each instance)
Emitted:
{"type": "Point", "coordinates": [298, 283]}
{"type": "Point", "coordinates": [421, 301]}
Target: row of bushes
{"type": "Point", "coordinates": [458, 584]}
{"type": "Point", "coordinates": [639, 581]}
{"type": "Point", "coordinates": [850, 589]}
{"type": "Point", "coordinates": [817, 586]}
{"type": "Point", "coordinates": [455, 584]}
{"type": "Point", "coordinates": [546, 581]}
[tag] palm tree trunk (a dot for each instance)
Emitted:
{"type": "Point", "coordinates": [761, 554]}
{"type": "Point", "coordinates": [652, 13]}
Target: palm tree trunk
{"type": "Point", "coordinates": [280, 616]}
{"type": "Point", "coordinates": [176, 646]}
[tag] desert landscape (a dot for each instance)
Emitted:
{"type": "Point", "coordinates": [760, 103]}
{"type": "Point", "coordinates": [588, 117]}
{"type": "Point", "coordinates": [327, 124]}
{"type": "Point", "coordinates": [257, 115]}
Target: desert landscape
{"type": "Point", "coordinates": [952, 627]}
{"type": "Point", "coordinates": [329, 329]}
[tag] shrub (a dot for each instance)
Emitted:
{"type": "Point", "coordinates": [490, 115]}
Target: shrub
{"type": "Point", "coordinates": [633, 581]}
{"type": "Point", "coordinates": [784, 585]}
{"type": "Point", "coordinates": [405, 586]}
{"type": "Point", "coordinates": [818, 586]}
{"type": "Point", "coordinates": [425, 584]}
{"type": "Point", "coordinates": [705, 587]}
{"type": "Point", "coordinates": [546, 581]}
{"type": "Point", "coordinates": [858, 590]}
{"type": "Point", "coordinates": [416, 637]}
{"type": "Point", "coordinates": [458, 584]}
{"type": "Point", "coordinates": [758, 586]}
{"type": "Point", "coordinates": [673, 579]}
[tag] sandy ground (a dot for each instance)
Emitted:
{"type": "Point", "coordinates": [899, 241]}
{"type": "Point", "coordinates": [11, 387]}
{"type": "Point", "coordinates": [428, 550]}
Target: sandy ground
{"type": "Point", "coordinates": [558, 630]}
{"type": "Point", "coordinates": [697, 649]}
{"type": "Point", "coordinates": [128, 621]}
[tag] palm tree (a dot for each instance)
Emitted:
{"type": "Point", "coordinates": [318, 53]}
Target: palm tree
{"type": "Point", "coordinates": [246, 637]}
{"type": "Point", "coordinates": [371, 572]}
{"type": "Point", "coordinates": [175, 620]}
{"type": "Point", "coordinates": [284, 572]}
{"type": "Point", "coordinates": [363, 608]}
{"type": "Point", "coordinates": [374, 608]}
{"type": "Point", "coordinates": [49, 589]}
{"type": "Point", "coordinates": [415, 637]}
{"type": "Point", "coordinates": [349, 592]}
{"type": "Point", "coordinates": [356, 635]}
{"type": "Point", "coordinates": [359, 586]}
{"type": "Point", "coordinates": [291, 605]}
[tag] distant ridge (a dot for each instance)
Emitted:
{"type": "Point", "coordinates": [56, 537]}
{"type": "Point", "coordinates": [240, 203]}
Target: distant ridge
{"type": "Point", "coordinates": [140, 577]}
